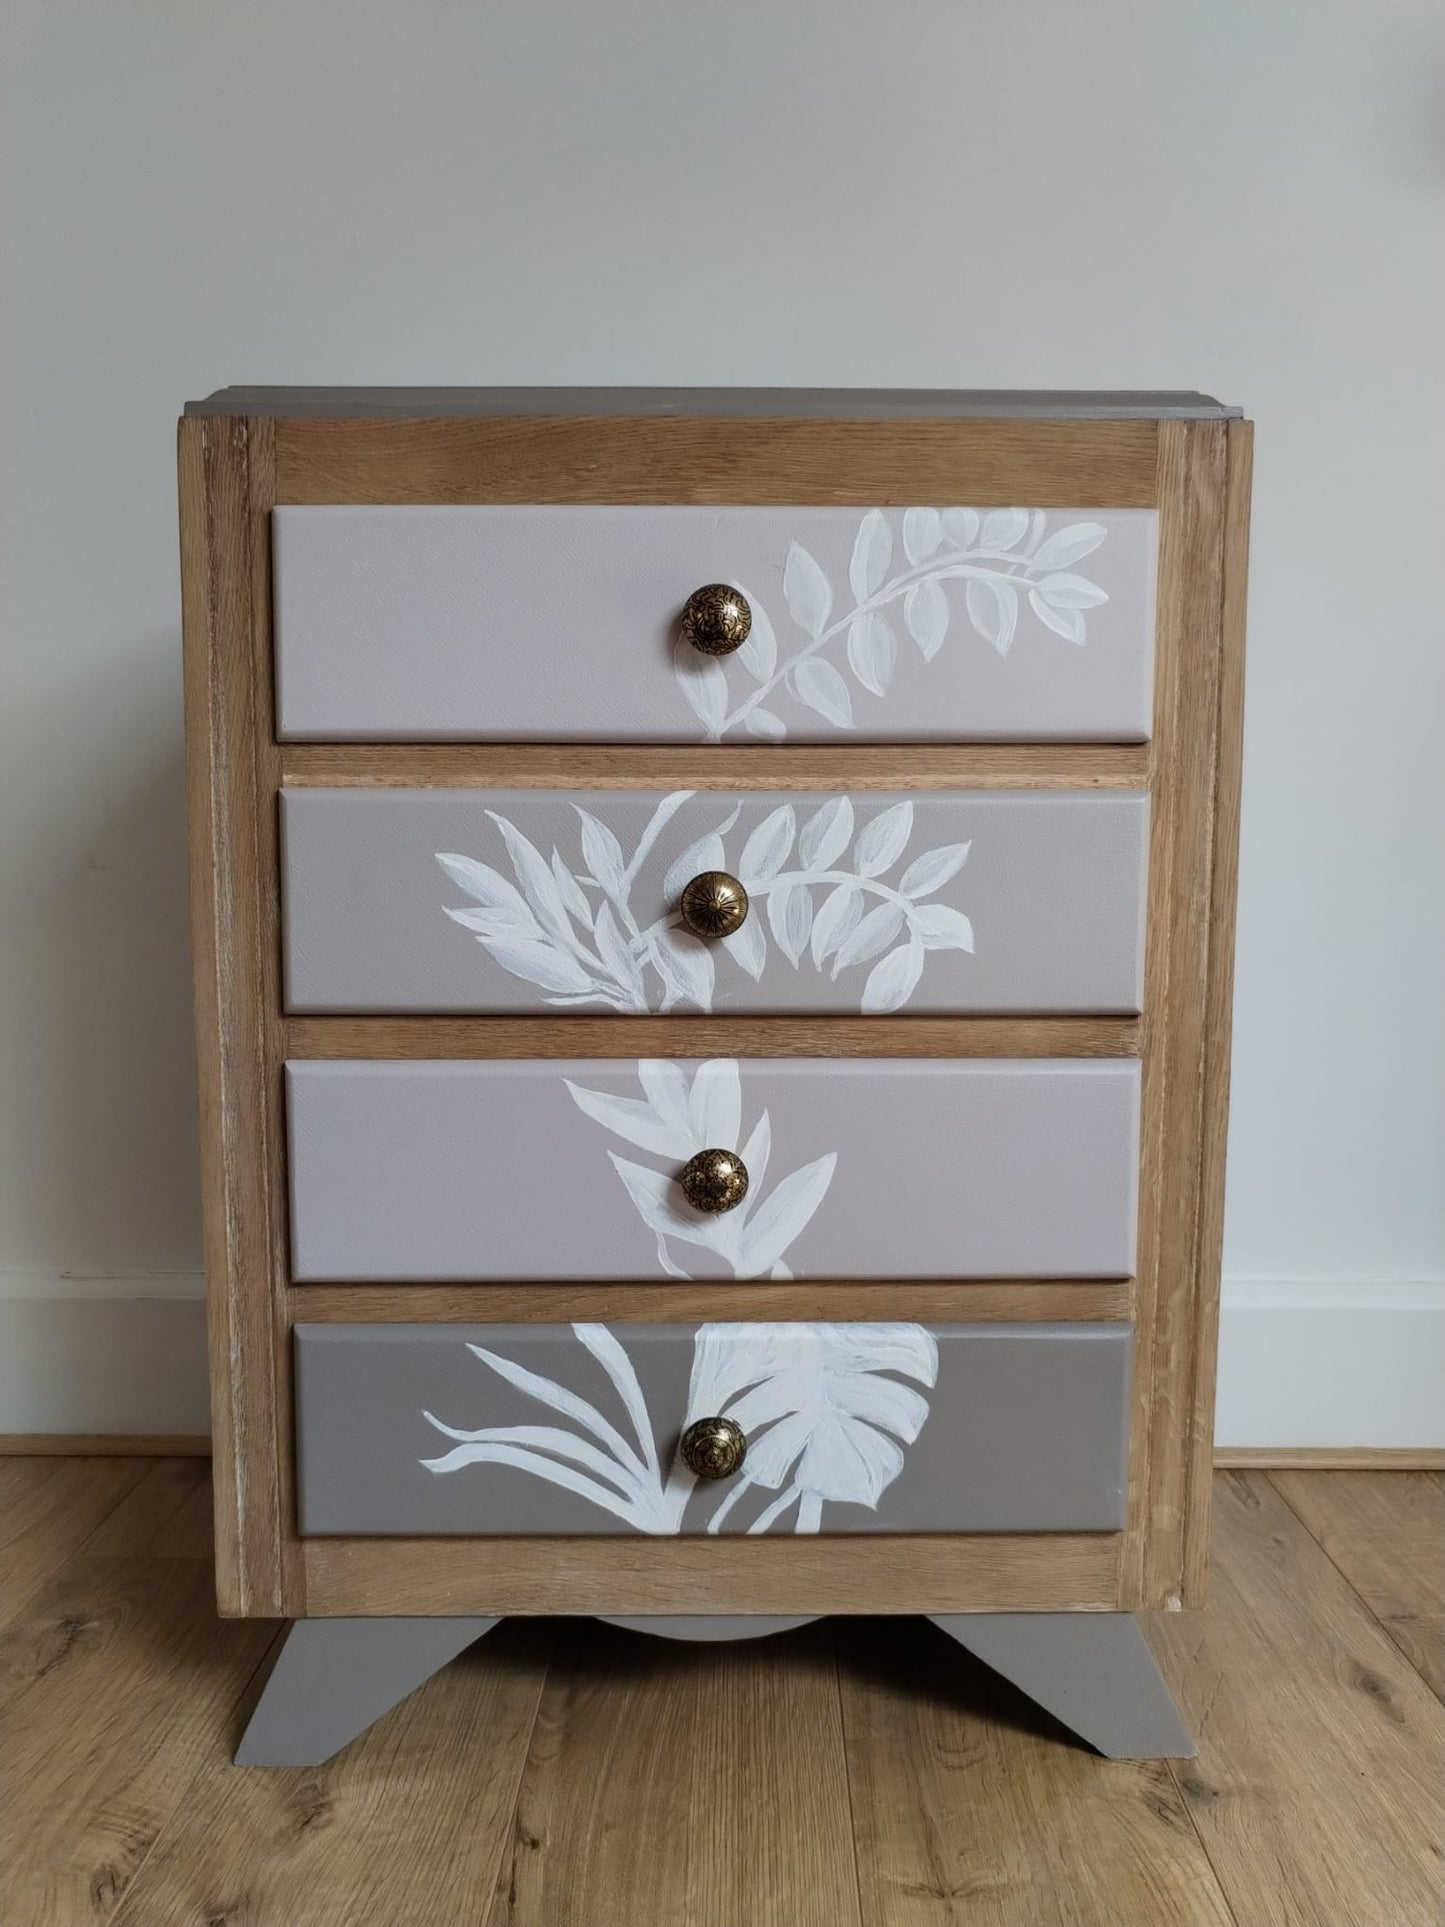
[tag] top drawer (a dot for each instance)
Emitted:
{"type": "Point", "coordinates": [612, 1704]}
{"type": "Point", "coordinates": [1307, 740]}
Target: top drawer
{"type": "Point", "coordinates": [562, 623]}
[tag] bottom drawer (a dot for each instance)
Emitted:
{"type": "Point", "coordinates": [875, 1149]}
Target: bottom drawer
{"type": "Point", "coordinates": [574, 1429]}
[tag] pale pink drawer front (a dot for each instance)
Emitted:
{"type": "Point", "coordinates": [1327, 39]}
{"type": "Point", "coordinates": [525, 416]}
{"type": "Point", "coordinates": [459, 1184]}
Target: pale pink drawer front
{"type": "Point", "coordinates": [560, 623]}
{"type": "Point", "coordinates": [858, 1168]}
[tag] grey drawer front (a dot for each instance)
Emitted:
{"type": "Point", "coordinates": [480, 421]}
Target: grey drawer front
{"type": "Point", "coordinates": [536, 623]}
{"type": "Point", "coordinates": [573, 1429]}
{"type": "Point", "coordinates": [861, 1168]}
{"type": "Point", "coordinates": [515, 900]}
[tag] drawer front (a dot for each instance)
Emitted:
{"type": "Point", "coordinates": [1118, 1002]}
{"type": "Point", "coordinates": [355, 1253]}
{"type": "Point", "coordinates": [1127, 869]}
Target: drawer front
{"type": "Point", "coordinates": [517, 900]}
{"type": "Point", "coordinates": [575, 1428]}
{"type": "Point", "coordinates": [529, 624]}
{"type": "Point", "coordinates": [859, 1168]}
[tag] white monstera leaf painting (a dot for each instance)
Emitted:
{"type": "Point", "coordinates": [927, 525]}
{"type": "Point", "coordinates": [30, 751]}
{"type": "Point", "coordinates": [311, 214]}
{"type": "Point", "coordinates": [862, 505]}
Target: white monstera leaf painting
{"type": "Point", "coordinates": [830, 887]}
{"type": "Point", "coordinates": [675, 1118]}
{"type": "Point", "coordinates": [1006, 559]}
{"type": "Point", "coordinates": [827, 1411]}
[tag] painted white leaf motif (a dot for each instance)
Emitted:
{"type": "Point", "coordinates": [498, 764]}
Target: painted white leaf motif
{"type": "Point", "coordinates": [993, 609]}
{"type": "Point", "coordinates": [943, 928]}
{"type": "Point", "coordinates": [808, 592]}
{"type": "Point", "coordinates": [819, 685]}
{"type": "Point", "coordinates": [998, 555]}
{"type": "Point", "coordinates": [933, 869]}
{"type": "Point", "coordinates": [884, 840]}
{"type": "Point", "coordinates": [759, 654]}
{"type": "Point", "coordinates": [872, 652]}
{"type": "Point", "coordinates": [826, 834]}
{"type": "Point", "coordinates": [925, 610]}
{"type": "Point", "coordinates": [817, 885]}
{"type": "Point", "coordinates": [822, 1421]}
{"type": "Point", "coordinates": [1069, 545]}
{"type": "Point", "coordinates": [674, 1120]}
{"type": "Point", "coordinates": [891, 983]}
{"type": "Point", "coordinates": [922, 533]}
{"type": "Point", "coordinates": [766, 850]}
{"type": "Point", "coordinates": [872, 552]}
{"type": "Point", "coordinates": [828, 1410]}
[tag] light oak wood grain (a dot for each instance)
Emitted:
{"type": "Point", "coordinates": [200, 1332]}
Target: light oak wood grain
{"type": "Point", "coordinates": [1176, 1292]}
{"type": "Point", "coordinates": [1317, 1791]}
{"type": "Point", "coordinates": [918, 1572]}
{"type": "Point", "coordinates": [734, 1754]}
{"type": "Point", "coordinates": [689, 1036]}
{"type": "Point", "coordinates": [407, 1825]}
{"type": "Point", "coordinates": [103, 1445]}
{"type": "Point", "coordinates": [114, 1685]}
{"type": "Point", "coordinates": [1387, 1536]}
{"type": "Point", "coordinates": [225, 488]}
{"type": "Point", "coordinates": [971, 1805]}
{"type": "Point", "coordinates": [1330, 1458]}
{"type": "Point", "coordinates": [696, 459]}
{"type": "Point", "coordinates": [48, 1509]}
{"type": "Point", "coordinates": [725, 766]}
{"type": "Point", "coordinates": [979, 1302]}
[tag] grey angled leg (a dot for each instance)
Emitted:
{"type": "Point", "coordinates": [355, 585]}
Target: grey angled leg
{"type": "Point", "coordinates": [335, 1676]}
{"type": "Point", "coordinates": [1093, 1671]}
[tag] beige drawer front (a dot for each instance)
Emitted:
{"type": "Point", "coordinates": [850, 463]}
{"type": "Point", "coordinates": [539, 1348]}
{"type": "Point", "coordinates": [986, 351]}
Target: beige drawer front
{"type": "Point", "coordinates": [578, 1429]}
{"type": "Point", "coordinates": [562, 623]}
{"type": "Point", "coordinates": [860, 1168]}
{"type": "Point", "coordinates": [533, 900]}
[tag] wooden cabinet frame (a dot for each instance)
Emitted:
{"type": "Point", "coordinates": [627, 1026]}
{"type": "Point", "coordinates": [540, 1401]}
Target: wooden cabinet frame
{"type": "Point", "coordinates": [233, 470]}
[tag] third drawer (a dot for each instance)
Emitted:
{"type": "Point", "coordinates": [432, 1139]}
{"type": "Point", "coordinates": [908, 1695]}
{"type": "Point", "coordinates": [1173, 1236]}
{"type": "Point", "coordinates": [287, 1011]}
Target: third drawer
{"type": "Point", "coordinates": [857, 1168]}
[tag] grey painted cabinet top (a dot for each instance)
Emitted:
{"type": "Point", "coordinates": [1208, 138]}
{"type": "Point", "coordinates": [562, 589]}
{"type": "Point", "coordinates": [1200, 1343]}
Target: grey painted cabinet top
{"type": "Point", "coordinates": [823, 404]}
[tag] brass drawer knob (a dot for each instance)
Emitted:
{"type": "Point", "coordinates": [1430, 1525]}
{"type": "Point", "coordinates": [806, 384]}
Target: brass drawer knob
{"type": "Point", "coordinates": [714, 904]}
{"type": "Point", "coordinates": [713, 1448]}
{"type": "Point", "coordinates": [716, 619]}
{"type": "Point", "coordinates": [714, 1180]}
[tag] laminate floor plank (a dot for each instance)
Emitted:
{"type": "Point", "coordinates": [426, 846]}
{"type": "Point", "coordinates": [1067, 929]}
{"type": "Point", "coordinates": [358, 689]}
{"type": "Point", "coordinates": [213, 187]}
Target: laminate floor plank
{"type": "Point", "coordinates": [1386, 1533]}
{"type": "Point", "coordinates": [114, 1681]}
{"type": "Point", "coordinates": [685, 1784]}
{"type": "Point", "coordinates": [1318, 1787]}
{"type": "Point", "coordinates": [406, 1827]}
{"type": "Point", "coordinates": [48, 1509]}
{"type": "Point", "coordinates": [970, 1805]}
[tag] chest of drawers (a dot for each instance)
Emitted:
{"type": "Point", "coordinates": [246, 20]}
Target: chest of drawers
{"type": "Point", "coordinates": [712, 923]}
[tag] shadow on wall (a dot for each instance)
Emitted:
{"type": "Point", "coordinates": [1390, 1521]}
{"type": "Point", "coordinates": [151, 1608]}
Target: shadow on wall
{"type": "Point", "coordinates": [105, 1174]}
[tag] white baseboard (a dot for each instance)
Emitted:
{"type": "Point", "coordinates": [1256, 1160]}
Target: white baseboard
{"type": "Point", "coordinates": [1300, 1364]}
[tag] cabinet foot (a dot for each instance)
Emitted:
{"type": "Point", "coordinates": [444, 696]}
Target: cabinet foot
{"type": "Point", "coordinates": [1093, 1671]}
{"type": "Point", "coordinates": [335, 1677]}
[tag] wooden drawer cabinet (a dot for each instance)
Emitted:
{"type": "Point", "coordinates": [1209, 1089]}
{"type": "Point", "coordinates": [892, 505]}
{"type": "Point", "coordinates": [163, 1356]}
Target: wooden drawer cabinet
{"type": "Point", "coordinates": [712, 989]}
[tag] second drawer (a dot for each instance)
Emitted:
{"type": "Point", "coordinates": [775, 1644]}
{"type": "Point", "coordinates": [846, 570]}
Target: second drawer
{"type": "Point", "coordinates": [515, 900]}
{"type": "Point", "coordinates": [856, 1168]}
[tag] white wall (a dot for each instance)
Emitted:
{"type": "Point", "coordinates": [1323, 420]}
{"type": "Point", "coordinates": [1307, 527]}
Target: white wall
{"type": "Point", "coordinates": [1240, 195]}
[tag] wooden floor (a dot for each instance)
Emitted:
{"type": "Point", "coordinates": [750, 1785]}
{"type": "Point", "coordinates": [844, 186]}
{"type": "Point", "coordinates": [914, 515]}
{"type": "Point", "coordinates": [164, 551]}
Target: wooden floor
{"type": "Point", "coordinates": [851, 1774]}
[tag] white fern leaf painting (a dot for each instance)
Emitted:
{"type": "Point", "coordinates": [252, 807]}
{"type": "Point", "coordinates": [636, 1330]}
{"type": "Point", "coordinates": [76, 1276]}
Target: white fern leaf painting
{"type": "Point", "coordinates": [1004, 558]}
{"type": "Point", "coordinates": [676, 1118]}
{"type": "Point", "coordinates": [827, 1411]}
{"type": "Point", "coordinates": [828, 891]}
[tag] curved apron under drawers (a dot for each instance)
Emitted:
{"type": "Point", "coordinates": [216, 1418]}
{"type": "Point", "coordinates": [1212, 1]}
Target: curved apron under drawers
{"type": "Point", "coordinates": [517, 900]}
{"type": "Point", "coordinates": [574, 1429]}
{"type": "Point", "coordinates": [856, 1168]}
{"type": "Point", "coordinates": [561, 623]}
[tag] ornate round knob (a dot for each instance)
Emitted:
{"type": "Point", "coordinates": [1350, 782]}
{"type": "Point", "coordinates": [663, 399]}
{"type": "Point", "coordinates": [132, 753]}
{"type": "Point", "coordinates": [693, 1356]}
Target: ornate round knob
{"type": "Point", "coordinates": [714, 904]}
{"type": "Point", "coordinates": [713, 1448]}
{"type": "Point", "coordinates": [714, 1180]}
{"type": "Point", "coordinates": [716, 619]}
